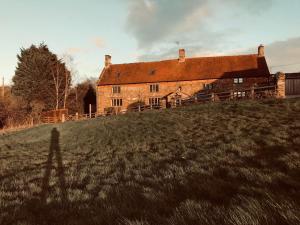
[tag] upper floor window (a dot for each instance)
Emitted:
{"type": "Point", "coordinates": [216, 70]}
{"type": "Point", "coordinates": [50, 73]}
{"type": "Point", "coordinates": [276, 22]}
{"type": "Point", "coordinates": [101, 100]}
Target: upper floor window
{"type": "Point", "coordinates": [238, 80]}
{"type": "Point", "coordinates": [154, 88]}
{"type": "Point", "coordinates": [116, 102]}
{"type": "Point", "coordinates": [116, 89]}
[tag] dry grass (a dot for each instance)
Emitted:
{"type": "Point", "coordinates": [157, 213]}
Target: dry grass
{"type": "Point", "coordinates": [231, 163]}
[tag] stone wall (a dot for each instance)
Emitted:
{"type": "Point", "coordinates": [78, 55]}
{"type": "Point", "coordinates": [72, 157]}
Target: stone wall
{"type": "Point", "coordinates": [133, 93]}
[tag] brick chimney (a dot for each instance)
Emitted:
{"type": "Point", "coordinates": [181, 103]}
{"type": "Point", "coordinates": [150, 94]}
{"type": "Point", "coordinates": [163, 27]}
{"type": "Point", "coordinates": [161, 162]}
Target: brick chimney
{"type": "Point", "coordinates": [181, 55]}
{"type": "Point", "coordinates": [107, 62]}
{"type": "Point", "coordinates": [261, 51]}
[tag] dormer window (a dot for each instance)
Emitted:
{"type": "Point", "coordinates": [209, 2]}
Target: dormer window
{"type": "Point", "coordinates": [152, 72]}
{"type": "Point", "coordinates": [238, 80]}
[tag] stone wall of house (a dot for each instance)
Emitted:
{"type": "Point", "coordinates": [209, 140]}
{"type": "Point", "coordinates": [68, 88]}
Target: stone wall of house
{"type": "Point", "coordinates": [133, 93]}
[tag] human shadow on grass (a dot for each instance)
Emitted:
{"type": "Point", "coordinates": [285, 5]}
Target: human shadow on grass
{"type": "Point", "coordinates": [54, 151]}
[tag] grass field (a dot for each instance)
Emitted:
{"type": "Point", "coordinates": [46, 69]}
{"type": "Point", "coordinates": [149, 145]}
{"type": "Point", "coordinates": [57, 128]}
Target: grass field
{"type": "Point", "coordinates": [231, 163]}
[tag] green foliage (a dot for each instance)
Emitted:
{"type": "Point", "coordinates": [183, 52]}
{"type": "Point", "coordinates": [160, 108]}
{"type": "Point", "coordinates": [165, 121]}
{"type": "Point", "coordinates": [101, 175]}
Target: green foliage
{"type": "Point", "coordinates": [33, 79]}
{"type": "Point", "coordinates": [234, 163]}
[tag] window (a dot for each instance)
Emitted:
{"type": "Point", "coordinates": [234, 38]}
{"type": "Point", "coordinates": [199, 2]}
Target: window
{"type": "Point", "coordinates": [238, 80]}
{"type": "Point", "coordinates": [208, 86]}
{"type": "Point", "coordinates": [116, 89]}
{"type": "Point", "coordinates": [116, 102]}
{"type": "Point", "coordinates": [154, 101]}
{"type": "Point", "coordinates": [239, 94]}
{"type": "Point", "coordinates": [152, 72]}
{"type": "Point", "coordinates": [154, 88]}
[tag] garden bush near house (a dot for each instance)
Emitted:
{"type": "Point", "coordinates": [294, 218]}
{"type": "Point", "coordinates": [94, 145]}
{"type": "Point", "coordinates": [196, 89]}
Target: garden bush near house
{"type": "Point", "coordinates": [219, 163]}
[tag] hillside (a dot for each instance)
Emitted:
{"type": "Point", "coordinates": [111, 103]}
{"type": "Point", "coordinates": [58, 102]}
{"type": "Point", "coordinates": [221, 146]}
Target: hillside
{"type": "Point", "coordinates": [231, 163]}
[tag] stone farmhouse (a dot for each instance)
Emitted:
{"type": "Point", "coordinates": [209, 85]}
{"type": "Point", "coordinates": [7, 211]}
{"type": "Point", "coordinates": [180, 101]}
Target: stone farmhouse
{"type": "Point", "coordinates": [122, 86]}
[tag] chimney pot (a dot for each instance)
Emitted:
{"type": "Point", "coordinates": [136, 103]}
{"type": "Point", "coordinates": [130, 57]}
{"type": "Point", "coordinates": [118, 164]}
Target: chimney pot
{"type": "Point", "coordinates": [181, 55]}
{"type": "Point", "coordinates": [261, 51]}
{"type": "Point", "coordinates": [107, 61]}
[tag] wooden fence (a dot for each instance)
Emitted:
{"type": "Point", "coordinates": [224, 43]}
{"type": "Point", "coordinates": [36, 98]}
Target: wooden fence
{"type": "Point", "coordinates": [233, 95]}
{"type": "Point", "coordinates": [292, 84]}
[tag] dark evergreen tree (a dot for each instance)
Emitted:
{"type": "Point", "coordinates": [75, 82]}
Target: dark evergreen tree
{"type": "Point", "coordinates": [41, 77]}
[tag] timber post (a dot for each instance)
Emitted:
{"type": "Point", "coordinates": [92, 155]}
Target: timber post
{"type": "Point", "coordinates": [252, 92]}
{"type": "Point", "coordinates": [90, 111]}
{"type": "Point", "coordinates": [63, 118]}
{"type": "Point", "coordinates": [212, 97]}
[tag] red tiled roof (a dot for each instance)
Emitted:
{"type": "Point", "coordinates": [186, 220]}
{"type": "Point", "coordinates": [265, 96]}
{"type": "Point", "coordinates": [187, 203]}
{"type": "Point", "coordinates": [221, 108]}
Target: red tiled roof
{"type": "Point", "coordinates": [192, 69]}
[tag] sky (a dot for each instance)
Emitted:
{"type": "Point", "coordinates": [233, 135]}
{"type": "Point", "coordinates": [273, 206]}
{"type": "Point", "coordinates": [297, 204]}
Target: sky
{"type": "Point", "coordinates": [147, 30]}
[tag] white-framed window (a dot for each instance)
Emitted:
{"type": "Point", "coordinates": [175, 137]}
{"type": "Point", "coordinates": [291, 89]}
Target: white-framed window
{"type": "Point", "coordinates": [154, 101]}
{"type": "Point", "coordinates": [239, 94]}
{"type": "Point", "coordinates": [116, 89]}
{"type": "Point", "coordinates": [238, 80]}
{"type": "Point", "coordinates": [154, 88]}
{"type": "Point", "coordinates": [116, 102]}
{"type": "Point", "coordinates": [208, 86]}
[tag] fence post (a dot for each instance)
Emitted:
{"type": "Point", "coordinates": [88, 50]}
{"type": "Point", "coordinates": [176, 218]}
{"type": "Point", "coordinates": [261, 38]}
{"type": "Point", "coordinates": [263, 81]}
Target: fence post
{"type": "Point", "coordinates": [196, 99]}
{"type": "Point", "coordinates": [231, 95]}
{"type": "Point", "coordinates": [76, 116]}
{"type": "Point", "coordinates": [164, 103]}
{"type": "Point", "coordinates": [90, 110]}
{"type": "Point", "coordinates": [63, 118]}
{"type": "Point", "coordinates": [212, 97]}
{"type": "Point", "coordinates": [139, 107]}
{"type": "Point", "coordinates": [252, 94]}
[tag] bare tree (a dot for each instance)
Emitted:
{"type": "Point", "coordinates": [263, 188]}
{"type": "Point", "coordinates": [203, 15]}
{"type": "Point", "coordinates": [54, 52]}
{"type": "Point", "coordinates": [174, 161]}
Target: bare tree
{"type": "Point", "coordinates": [70, 75]}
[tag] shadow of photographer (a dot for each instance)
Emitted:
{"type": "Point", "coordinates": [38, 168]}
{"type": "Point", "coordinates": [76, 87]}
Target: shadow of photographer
{"type": "Point", "coordinates": [54, 152]}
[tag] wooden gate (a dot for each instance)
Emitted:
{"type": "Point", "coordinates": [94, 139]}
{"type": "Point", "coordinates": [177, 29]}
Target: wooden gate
{"type": "Point", "coordinates": [292, 84]}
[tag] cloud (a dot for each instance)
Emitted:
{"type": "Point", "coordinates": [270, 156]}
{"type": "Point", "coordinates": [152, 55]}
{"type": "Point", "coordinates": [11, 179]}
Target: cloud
{"type": "Point", "coordinates": [98, 42]}
{"type": "Point", "coordinates": [250, 6]}
{"type": "Point", "coordinates": [150, 21]}
{"type": "Point", "coordinates": [153, 22]}
{"type": "Point", "coordinates": [75, 50]}
{"type": "Point", "coordinates": [284, 55]}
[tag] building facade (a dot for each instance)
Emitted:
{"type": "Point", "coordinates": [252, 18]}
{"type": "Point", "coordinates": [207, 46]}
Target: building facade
{"type": "Point", "coordinates": [123, 86]}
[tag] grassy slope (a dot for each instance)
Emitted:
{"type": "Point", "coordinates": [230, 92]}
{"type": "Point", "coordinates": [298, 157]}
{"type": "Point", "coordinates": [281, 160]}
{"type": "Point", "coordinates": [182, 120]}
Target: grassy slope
{"type": "Point", "coordinates": [232, 163]}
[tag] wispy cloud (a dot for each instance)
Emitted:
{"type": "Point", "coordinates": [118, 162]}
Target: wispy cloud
{"type": "Point", "coordinates": [75, 50]}
{"type": "Point", "coordinates": [98, 42]}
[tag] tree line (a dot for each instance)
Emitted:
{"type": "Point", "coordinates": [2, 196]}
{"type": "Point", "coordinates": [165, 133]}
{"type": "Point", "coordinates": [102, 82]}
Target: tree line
{"type": "Point", "coordinates": [42, 82]}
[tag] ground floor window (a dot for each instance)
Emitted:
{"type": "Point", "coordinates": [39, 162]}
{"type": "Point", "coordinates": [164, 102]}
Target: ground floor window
{"type": "Point", "coordinates": [154, 101]}
{"type": "Point", "coordinates": [208, 86]}
{"type": "Point", "coordinates": [116, 102]}
{"type": "Point", "coordinates": [239, 94]}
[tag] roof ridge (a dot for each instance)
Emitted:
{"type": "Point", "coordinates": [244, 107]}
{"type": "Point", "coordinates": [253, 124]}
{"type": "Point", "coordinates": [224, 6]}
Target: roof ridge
{"type": "Point", "coordinates": [188, 58]}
